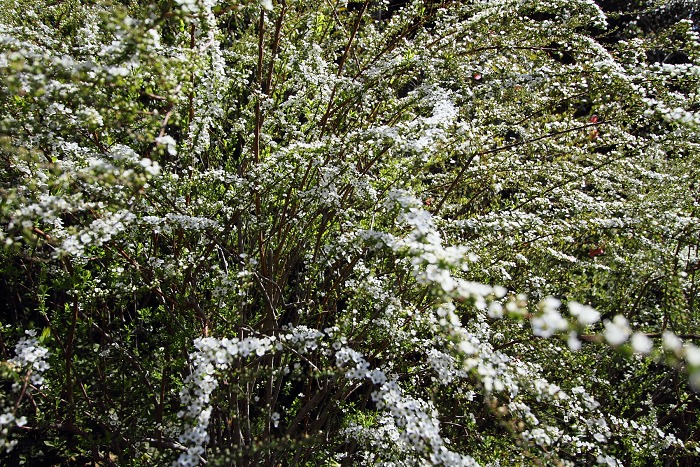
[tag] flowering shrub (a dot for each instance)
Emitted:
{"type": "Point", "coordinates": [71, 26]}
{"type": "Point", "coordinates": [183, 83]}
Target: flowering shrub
{"type": "Point", "coordinates": [28, 365]}
{"type": "Point", "coordinates": [348, 233]}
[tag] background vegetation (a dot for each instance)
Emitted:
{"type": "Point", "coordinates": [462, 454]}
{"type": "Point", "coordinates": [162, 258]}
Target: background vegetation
{"type": "Point", "coordinates": [349, 233]}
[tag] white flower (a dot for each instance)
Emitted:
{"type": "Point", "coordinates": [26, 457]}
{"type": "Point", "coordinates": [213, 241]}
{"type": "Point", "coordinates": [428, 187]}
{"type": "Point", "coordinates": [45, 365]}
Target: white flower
{"type": "Point", "coordinates": [641, 343]}
{"type": "Point", "coordinates": [573, 342]}
{"type": "Point", "coordinates": [550, 304]}
{"type": "Point", "coordinates": [30, 353]}
{"type": "Point", "coordinates": [672, 342]}
{"type": "Point", "coordinates": [377, 376]}
{"type": "Point", "coordinates": [584, 313]}
{"type": "Point", "coordinates": [695, 380]}
{"type": "Point", "coordinates": [189, 6]}
{"type": "Point", "coordinates": [169, 143]}
{"type": "Point", "coordinates": [617, 331]}
{"type": "Point", "coordinates": [692, 355]}
{"type": "Point", "coordinates": [495, 310]}
{"type": "Point", "coordinates": [547, 324]}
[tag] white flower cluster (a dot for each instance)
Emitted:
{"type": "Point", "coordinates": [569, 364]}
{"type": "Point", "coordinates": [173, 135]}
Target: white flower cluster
{"type": "Point", "coordinates": [303, 338]}
{"type": "Point", "coordinates": [375, 439]}
{"type": "Point", "coordinates": [211, 355]}
{"type": "Point", "coordinates": [30, 359]}
{"type": "Point", "coordinates": [168, 142]}
{"type": "Point", "coordinates": [99, 232]}
{"type": "Point", "coordinates": [677, 115]}
{"type": "Point", "coordinates": [585, 314]}
{"type": "Point", "coordinates": [47, 208]}
{"type": "Point", "coordinates": [7, 421]}
{"type": "Point", "coordinates": [444, 114]}
{"type": "Point", "coordinates": [550, 321]}
{"type": "Point", "coordinates": [433, 263]}
{"type": "Point", "coordinates": [617, 331]}
{"type": "Point", "coordinates": [211, 75]}
{"type": "Point", "coordinates": [359, 367]}
{"type": "Point", "coordinates": [418, 426]}
{"type": "Point", "coordinates": [445, 365]}
{"type": "Point", "coordinates": [415, 422]}
{"type": "Point", "coordinates": [194, 6]}
{"type": "Point", "coordinates": [495, 370]}
{"type": "Point", "coordinates": [165, 224]}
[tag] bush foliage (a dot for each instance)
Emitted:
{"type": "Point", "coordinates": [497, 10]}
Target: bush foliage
{"type": "Point", "coordinates": [349, 233]}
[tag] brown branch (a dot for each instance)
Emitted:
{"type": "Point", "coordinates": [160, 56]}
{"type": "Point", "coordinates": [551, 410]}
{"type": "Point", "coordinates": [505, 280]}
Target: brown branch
{"type": "Point", "coordinates": [275, 49]}
{"type": "Point", "coordinates": [191, 95]}
{"type": "Point", "coordinates": [656, 335]}
{"type": "Point", "coordinates": [341, 65]}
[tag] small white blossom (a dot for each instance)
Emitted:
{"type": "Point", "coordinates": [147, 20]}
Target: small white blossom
{"type": "Point", "coordinates": [617, 331]}
{"type": "Point", "coordinates": [585, 314]}
{"type": "Point", "coordinates": [641, 343]}
{"type": "Point", "coordinates": [692, 355]}
{"type": "Point", "coordinates": [573, 342]}
{"type": "Point", "coordinates": [672, 342]}
{"type": "Point", "coordinates": [549, 323]}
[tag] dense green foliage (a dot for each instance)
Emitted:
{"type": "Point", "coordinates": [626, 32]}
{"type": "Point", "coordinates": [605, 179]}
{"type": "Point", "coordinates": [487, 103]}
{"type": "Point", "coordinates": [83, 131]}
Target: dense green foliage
{"type": "Point", "coordinates": [349, 233]}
